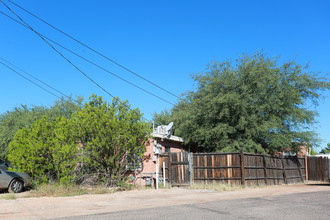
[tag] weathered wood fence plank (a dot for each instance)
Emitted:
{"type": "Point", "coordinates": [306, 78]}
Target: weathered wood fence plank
{"type": "Point", "coordinates": [236, 167]}
{"type": "Point", "coordinates": [318, 168]}
{"type": "Point", "coordinates": [242, 168]}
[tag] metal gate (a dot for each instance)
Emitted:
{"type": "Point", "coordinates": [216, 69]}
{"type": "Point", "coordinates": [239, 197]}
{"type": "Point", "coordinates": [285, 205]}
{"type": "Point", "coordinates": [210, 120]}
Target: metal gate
{"type": "Point", "coordinates": [180, 168]}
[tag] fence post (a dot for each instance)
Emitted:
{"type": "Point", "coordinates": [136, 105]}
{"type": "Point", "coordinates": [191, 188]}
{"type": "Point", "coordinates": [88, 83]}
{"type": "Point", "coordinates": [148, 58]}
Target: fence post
{"type": "Point", "coordinates": [265, 169]}
{"type": "Point", "coordinates": [327, 169]}
{"type": "Point", "coordinates": [170, 168]}
{"type": "Point", "coordinates": [229, 170]}
{"type": "Point", "coordinates": [191, 167]}
{"type": "Point", "coordinates": [284, 173]}
{"type": "Point", "coordinates": [164, 174]}
{"type": "Point", "coordinates": [306, 168]}
{"type": "Point", "coordinates": [212, 157]}
{"type": "Point", "coordinates": [206, 181]}
{"type": "Point", "coordinates": [242, 168]}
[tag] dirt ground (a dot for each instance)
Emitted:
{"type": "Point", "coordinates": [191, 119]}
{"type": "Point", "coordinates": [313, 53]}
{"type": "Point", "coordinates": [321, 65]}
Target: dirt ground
{"type": "Point", "coordinates": [54, 207]}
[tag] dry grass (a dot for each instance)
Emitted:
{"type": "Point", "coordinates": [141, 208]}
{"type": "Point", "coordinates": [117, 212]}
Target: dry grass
{"type": "Point", "coordinates": [8, 196]}
{"type": "Point", "coordinates": [55, 190]}
{"type": "Point", "coordinates": [101, 190]}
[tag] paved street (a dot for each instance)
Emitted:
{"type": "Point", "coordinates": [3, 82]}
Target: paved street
{"type": "Point", "coordinates": [313, 205]}
{"type": "Point", "coordinates": [301, 201]}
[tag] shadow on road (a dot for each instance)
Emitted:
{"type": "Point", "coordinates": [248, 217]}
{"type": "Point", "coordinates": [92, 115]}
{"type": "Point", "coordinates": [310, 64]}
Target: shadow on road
{"type": "Point", "coordinates": [318, 184]}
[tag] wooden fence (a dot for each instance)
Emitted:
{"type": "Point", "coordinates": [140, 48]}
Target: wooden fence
{"type": "Point", "coordinates": [177, 168]}
{"type": "Point", "coordinates": [233, 168]}
{"type": "Point", "coordinates": [318, 168]}
{"type": "Point", "coordinates": [211, 168]}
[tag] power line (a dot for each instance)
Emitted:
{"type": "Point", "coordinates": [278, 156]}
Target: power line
{"type": "Point", "coordinates": [41, 82]}
{"type": "Point", "coordinates": [57, 50]}
{"type": "Point", "coordinates": [62, 55]}
{"type": "Point", "coordinates": [36, 78]}
{"type": "Point", "coordinates": [91, 62]}
{"type": "Point", "coordinates": [95, 51]}
{"type": "Point", "coordinates": [29, 80]}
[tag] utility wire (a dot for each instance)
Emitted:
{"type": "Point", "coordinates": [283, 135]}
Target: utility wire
{"type": "Point", "coordinates": [57, 50]}
{"type": "Point", "coordinates": [62, 54]}
{"type": "Point", "coordinates": [91, 62]}
{"type": "Point", "coordinates": [29, 80]}
{"type": "Point", "coordinates": [35, 78]}
{"type": "Point", "coordinates": [95, 51]}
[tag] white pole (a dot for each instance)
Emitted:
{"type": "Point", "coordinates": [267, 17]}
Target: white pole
{"type": "Point", "coordinates": [157, 173]}
{"type": "Point", "coordinates": [164, 176]}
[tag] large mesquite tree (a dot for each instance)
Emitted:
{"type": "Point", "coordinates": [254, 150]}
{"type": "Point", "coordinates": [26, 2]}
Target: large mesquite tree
{"type": "Point", "coordinates": [253, 103]}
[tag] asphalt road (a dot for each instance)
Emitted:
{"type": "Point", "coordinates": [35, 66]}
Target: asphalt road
{"type": "Point", "coordinates": [315, 205]}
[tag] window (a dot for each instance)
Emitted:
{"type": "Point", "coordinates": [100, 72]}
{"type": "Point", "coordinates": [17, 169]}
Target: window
{"type": "Point", "coordinates": [133, 162]}
{"type": "Point", "coordinates": [289, 153]}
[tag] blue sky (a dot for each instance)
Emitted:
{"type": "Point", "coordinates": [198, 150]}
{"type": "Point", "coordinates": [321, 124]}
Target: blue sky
{"type": "Point", "coordinates": [163, 41]}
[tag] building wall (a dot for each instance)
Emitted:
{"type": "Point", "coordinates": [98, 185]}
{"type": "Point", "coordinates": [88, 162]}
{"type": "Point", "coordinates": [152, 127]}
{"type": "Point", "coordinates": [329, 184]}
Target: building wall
{"type": "Point", "coordinates": [174, 146]}
{"type": "Point", "coordinates": [148, 163]}
{"type": "Point", "coordinates": [301, 153]}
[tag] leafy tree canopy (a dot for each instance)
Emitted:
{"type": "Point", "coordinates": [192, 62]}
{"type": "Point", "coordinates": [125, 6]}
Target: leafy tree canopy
{"type": "Point", "coordinates": [95, 143]}
{"type": "Point", "coordinates": [162, 118]}
{"type": "Point", "coordinates": [46, 150]}
{"type": "Point", "coordinates": [253, 103]}
{"type": "Point", "coordinates": [24, 117]}
{"type": "Point", "coordinates": [326, 150]}
{"type": "Point", "coordinates": [112, 134]}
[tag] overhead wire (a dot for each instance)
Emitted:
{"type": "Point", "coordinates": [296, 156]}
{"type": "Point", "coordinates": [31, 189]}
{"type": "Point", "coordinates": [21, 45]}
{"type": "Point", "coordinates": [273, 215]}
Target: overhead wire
{"type": "Point", "coordinates": [35, 78]}
{"type": "Point", "coordinates": [56, 50]}
{"type": "Point", "coordinates": [63, 55]}
{"type": "Point", "coordinates": [29, 79]}
{"type": "Point", "coordinates": [91, 62]}
{"type": "Point", "coordinates": [95, 51]}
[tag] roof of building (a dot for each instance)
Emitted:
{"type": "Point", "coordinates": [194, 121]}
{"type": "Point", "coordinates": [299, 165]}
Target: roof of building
{"type": "Point", "coordinates": [168, 137]}
{"type": "Point", "coordinates": [323, 155]}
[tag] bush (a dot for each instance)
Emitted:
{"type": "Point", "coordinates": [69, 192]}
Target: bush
{"type": "Point", "coordinates": [44, 151]}
{"type": "Point", "coordinates": [96, 144]}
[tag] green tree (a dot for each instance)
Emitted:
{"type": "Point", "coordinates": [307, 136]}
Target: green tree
{"type": "Point", "coordinates": [97, 141]}
{"type": "Point", "coordinates": [46, 150]}
{"type": "Point", "coordinates": [65, 107]}
{"type": "Point", "coordinates": [326, 150]}
{"type": "Point", "coordinates": [12, 121]}
{"type": "Point", "coordinates": [163, 118]}
{"type": "Point", "coordinates": [24, 117]}
{"type": "Point", "coordinates": [253, 103]}
{"type": "Point", "coordinates": [110, 134]}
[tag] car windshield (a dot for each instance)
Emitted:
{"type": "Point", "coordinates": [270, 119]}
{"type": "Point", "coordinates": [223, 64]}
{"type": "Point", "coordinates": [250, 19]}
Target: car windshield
{"type": "Point", "coordinates": [4, 165]}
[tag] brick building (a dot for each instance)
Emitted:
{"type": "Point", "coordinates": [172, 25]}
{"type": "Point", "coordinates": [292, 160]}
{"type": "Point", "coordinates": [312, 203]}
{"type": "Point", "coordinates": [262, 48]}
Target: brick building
{"type": "Point", "coordinates": [301, 153]}
{"type": "Point", "coordinates": [162, 142]}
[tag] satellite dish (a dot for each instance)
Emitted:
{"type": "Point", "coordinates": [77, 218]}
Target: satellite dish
{"type": "Point", "coordinates": [169, 127]}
